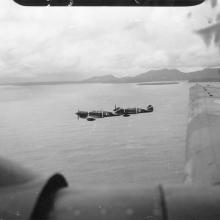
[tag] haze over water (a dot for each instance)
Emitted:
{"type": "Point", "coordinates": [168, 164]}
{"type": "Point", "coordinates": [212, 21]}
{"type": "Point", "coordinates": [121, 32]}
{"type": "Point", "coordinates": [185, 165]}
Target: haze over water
{"type": "Point", "coordinates": [39, 129]}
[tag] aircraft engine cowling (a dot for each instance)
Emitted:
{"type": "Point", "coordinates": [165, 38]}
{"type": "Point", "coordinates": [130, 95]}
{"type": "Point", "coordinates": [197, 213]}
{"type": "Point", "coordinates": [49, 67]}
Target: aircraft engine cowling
{"type": "Point", "coordinates": [156, 203]}
{"type": "Point", "coordinates": [189, 203]}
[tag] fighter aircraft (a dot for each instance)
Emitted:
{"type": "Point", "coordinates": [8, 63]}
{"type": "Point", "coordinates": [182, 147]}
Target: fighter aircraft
{"type": "Point", "coordinates": [126, 112]}
{"type": "Point", "coordinates": [92, 115]}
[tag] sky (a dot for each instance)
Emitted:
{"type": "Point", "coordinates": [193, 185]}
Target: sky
{"type": "Point", "coordinates": [73, 43]}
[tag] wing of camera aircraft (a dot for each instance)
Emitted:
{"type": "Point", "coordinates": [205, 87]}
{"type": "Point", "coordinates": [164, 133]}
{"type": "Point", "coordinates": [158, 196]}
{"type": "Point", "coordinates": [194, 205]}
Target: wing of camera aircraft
{"type": "Point", "coordinates": [202, 147]}
{"type": "Point", "coordinates": [26, 196]}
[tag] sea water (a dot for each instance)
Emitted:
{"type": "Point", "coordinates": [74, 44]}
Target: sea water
{"type": "Point", "coordinates": [40, 131]}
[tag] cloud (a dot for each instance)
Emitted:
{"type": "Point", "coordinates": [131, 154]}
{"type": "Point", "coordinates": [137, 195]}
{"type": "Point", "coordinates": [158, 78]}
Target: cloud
{"type": "Point", "coordinates": [73, 43]}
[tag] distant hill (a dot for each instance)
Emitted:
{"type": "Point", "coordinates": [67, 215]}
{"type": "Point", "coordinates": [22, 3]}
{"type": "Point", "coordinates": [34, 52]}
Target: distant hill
{"type": "Point", "coordinates": [206, 75]}
{"type": "Point", "coordinates": [102, 79]}
{"type": "Point", "coordinates": [172, 75]}
{"type": "Point", "coordinates": [160, 75]}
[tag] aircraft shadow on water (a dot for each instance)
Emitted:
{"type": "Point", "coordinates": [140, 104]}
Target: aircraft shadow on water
{"type": "Point", "coordinates": [118, 111]}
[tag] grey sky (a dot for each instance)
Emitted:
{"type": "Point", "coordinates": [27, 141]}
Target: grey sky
{"type": "Point", "coordinates": [74, 43]}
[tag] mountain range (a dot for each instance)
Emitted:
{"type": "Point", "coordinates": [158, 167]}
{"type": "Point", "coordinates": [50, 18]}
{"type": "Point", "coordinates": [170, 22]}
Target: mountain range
{"type": "Point", "coordinates": [156, 76]}
{"type": "Point", "coordinates": [160, 75]}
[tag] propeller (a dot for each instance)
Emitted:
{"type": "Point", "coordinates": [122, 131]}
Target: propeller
{"type": "Point", "coordinates": [78, 114]}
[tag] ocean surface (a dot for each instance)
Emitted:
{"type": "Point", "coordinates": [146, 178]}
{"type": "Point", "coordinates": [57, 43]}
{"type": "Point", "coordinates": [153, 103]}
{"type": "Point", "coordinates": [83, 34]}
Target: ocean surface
{"type": "Point", "coordinates": [40, 131]}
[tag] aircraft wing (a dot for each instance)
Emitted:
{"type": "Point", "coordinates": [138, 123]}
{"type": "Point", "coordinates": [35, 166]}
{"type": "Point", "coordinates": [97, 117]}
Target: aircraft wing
{"type": "Point", "coordinates": [203, 136]}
